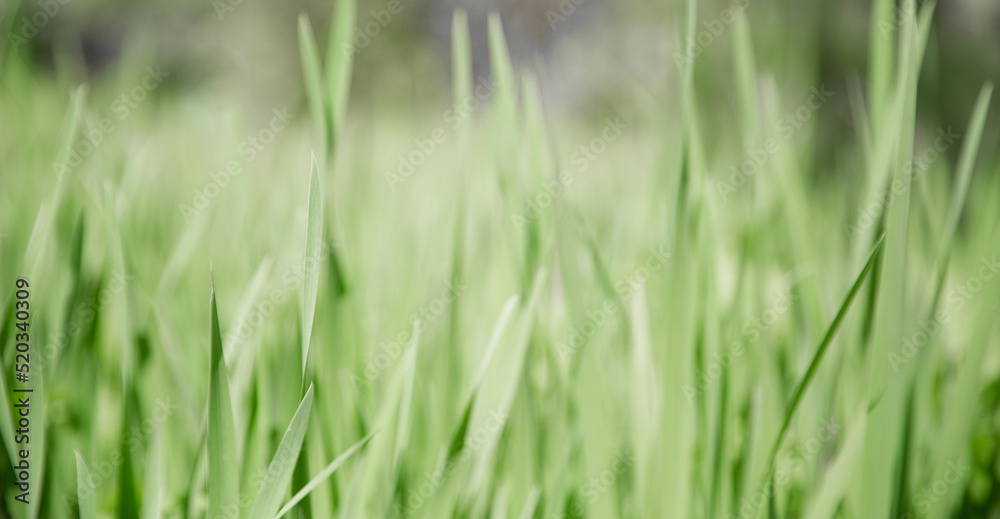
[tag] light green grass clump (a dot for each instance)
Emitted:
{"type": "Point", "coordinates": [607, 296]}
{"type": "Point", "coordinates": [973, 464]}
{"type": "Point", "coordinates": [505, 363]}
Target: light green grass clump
{"type": "Point", "coordinates": [516, 328]}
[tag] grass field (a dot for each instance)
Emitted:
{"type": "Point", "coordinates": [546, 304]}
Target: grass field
{"type": "Point", "coordinates": [692, 303]}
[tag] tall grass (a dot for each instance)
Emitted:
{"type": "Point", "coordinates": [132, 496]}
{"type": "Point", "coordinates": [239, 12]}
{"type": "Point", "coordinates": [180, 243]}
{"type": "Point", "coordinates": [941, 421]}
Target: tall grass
{"type": "Point", "coordinates": [505, 332]}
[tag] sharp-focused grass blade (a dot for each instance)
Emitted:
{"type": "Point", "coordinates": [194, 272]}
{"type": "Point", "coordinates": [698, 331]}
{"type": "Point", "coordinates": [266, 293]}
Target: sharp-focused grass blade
{"type": "Point", "coordinates": [313, 260]}
{"type": "Point", "coordinates": [831, 332]}
{"type": "Point", "coordinates": [279, 472]}
{"type": "Point", "coordinates": [223, 467]}
{"type": "Point", "coordinates": [325, 473]}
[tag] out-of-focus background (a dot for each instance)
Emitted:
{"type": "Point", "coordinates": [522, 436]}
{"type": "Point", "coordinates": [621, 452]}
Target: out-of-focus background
{"type": "Point", "coordinates": [587, 52]}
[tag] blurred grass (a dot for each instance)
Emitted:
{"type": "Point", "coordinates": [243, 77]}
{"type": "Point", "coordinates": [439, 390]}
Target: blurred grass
{"type": "Point", "coordinates": [571, 375]}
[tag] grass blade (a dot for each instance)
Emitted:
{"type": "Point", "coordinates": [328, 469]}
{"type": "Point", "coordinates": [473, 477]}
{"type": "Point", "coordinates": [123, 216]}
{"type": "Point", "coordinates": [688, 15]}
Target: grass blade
{"type": "Point", "coordinates": [831, 332]}
{"type": "Point", "coordinates": [223, 467]}
{"type": "Point", "coordinates": [339, 59]}
{"type": "Point", "coordinates": [152, 480]}
{"type": "Point", "coordinates": [314, 251]}
{"type": "Point", "coordinates": [279, 472]}
{"type": "Point", "coordinates": [325, 473]}
{"type": "Point", "coordinates": [311, 73]}
{"type": "Point", "coordinates": [88, 503]}
{"type": "Point", "coordinates": [970, 148]}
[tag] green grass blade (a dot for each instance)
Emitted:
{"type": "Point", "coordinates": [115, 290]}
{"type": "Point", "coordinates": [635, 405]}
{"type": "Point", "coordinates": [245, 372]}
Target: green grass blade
{"type": "Point", "coordinates": [85, 495]}
{"type": "Point", "coordinates": [503, 76]}
{"type": "Point", "coordinates": [746, 78]}
{"type": "Point", "coordinates": [68, 133]}
{"type": "Point", "coordinates": [223, 467]}
{"type": "Point", "coordinates": [314, 251]}
{"type": "Point", "coordinates": [960, 416]}
{"type": "Point", "coordinates": [153, 491]}
{"type": "Point", "coordinates": [405, 418]}
{"type": "Point", "coordinates": [311, 75]}
{"type": "Point", "coordinates": [882, 38]}
{"type": "Point", "coordinates": [970, 149]}
{"type": "Point", "coordinates": [240, 359]}
{"type": "Point", "coordinates": [325, 473]}
{"type": "Point", "coordinates": [835, 482]}
{"type": "Point", "coordinates": [831, 332]}
{"type": "Point", "coordinates": [279, 472]}
{"type": "Point", "coordinates": [885, 422]}
{"type": "Point", "coordinates": [339, 59]}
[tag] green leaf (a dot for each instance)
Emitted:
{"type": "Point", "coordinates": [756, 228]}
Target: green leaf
{"type": "Point", "coordinates": [314, 252]}
{"type": "Point", "coordinates": [325, 473]}
{"type": "Point", "coordinates": [279, 472]}
{"type": "Point", "coordinates": [339, 59]}
{"type": "Point", "coordinates": [223, 467]}
{"type": "Point", "coordinates": [970, 148]}
{"type": "Point", "coordinates": [831, 332]}
{"type": "Point", "coordinates": [837, 477]}
{"type": "Point", "coordinates": [311, 73]}
{"type": "Point", "coordinates": [87, 499]}
{"type": "Point", "coordinates": [503, 77]}
{"type": "Point", "coordinates": [153, 491]}
{"type": "Point", "coordinates": [745, 67]}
